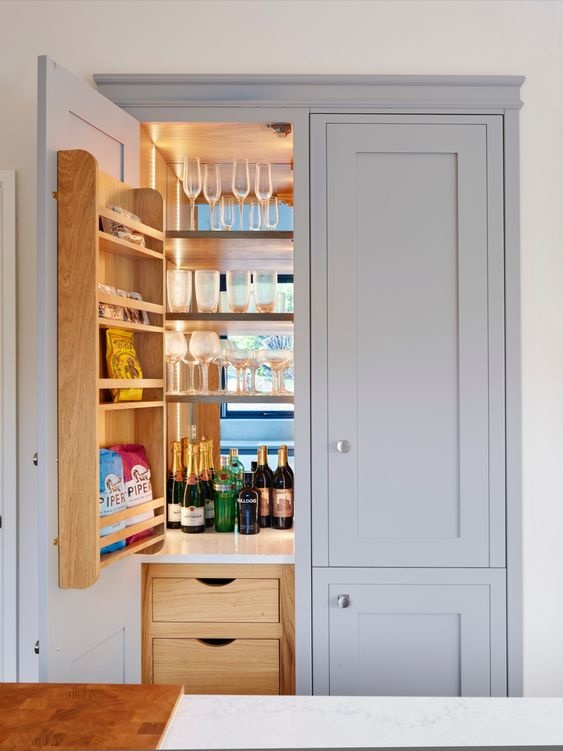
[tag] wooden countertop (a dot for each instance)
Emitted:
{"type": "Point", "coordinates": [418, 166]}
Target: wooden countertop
{"type": "Point", "coordinates": [64, 716]}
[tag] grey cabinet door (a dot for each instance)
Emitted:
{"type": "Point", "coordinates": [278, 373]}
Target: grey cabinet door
{"type": "Point", "coordinates": [412, 373]}
{"type": "Point", "coordinates": [409, 633]}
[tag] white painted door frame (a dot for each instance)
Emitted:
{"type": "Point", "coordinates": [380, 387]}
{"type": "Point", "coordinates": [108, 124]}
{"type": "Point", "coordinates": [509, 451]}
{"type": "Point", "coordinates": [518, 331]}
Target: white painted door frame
{"type": "Point", "coordinates": [8, 442]}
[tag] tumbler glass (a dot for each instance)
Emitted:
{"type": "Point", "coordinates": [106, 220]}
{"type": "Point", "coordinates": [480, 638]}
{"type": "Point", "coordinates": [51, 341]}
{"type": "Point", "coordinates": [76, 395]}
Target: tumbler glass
{"type": "Point", "coordinates": [179, 290]}
{"type": "Point", "coordinates": [265, 290]}
{"type": "Point", "coordinates": [207, 290]}
{"type": "Point", "coordinates": [238, 290]}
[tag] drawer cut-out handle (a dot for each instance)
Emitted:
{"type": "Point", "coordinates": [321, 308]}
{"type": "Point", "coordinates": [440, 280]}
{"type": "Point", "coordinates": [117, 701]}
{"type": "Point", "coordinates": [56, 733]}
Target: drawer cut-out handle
{"type": "Point", "coordinates": [215, 582]}
{"type": "Point", "coordinates": [216, 642]}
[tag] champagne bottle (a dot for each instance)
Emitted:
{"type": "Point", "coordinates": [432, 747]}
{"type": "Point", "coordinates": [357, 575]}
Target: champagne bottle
{"type": "Point", "coordinates": [224, 494]}
{"type": "Point", "coordinates": [263, 480]}
{"type": "Point", "coordinates": [175, 488]}
{"type": "Point", "coordinates": [193, 503]}
{"type": "Point", "coordinates": [282, 493]}
{"type": "Point", "coordinates": [205, 484]}
{"type": "Point", "coordinates": [237, 468]}
{"type": "Point", "coordinates": [248, 501]}
{"type": "Point", "coordinates": [210, 464]}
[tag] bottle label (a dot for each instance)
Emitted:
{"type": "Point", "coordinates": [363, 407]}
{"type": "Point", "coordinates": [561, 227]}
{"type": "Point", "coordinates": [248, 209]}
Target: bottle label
{"type": "Point", "coordinates": [222, 488]}
{"type": "Point", "coordinates": [264, 501]}
{"type": "Point", "coordinates": [174, 512]}
{"type": "Point", "coordinates": [192, 516]}
{"type": "Point", "coordinates": [209, 508]}
{"type": "Point", "coordinates": [282, 506]}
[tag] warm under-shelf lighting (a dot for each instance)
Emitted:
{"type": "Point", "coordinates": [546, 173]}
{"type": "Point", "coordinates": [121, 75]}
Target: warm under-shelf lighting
{"type": "Point", "coordinates": [152, 168]}
{"type": "Point", "coordinates": [178, 194]}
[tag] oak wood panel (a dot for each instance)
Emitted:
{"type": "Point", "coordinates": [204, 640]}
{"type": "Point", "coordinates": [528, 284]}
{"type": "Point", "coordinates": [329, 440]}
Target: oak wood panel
{"type": "Point", "coordinates": [65, 716]}
{"type": "Point", "coordinates": [242, 600]}
{"type": "Point", "coordinates": [287, 645]}
{"type": "Point", "coordinates": [83, 195]}
{"type": "Point", "coordinates": [244, 666]}
{"type": "Point", "coordinates": [258, 324]}
{"type": "Point", "coordinates": [119, 246]}
{"type": "Point", "coordinates": [77, 332]}
{"type": "Point", "coordinates": [146, 544]}
{"type": "Point", "coordinates": [182, 630]}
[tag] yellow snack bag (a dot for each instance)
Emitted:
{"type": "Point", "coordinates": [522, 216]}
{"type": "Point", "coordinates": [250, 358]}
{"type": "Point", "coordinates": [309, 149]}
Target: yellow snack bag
{"type": "Point", "coordinates": [123, 362]}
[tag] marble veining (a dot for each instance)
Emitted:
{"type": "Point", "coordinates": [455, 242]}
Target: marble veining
{"type": "Point", "coordinates": [213, 722]}
{"type": "Point", "coordinates": [268, 546]}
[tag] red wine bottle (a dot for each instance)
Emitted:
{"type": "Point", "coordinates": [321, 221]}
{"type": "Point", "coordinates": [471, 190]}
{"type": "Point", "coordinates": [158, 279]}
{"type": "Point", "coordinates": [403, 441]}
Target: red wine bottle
{"type": "Point", "coordinates": [282, 493]}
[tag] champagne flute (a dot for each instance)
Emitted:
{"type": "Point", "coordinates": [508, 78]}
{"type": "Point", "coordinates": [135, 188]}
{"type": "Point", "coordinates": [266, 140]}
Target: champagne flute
{"type": "Point", "coordinates": [272, 213]}
{"type": "Point", "coordinates": [192, 184]}
{"type": "Point", "coordinates": [228, 212]}
{"type": "Point", "coordinates": [241, 184]}
{"type": "Point", "coordinates": [212, 189]}
{"type": "Point", "coordinates": [263, 187]}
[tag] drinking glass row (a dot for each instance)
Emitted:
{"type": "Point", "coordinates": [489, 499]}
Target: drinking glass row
{"type": "Point", "coordinates": [205, 348]}
{"type": "Point", "coordinates": [263, 214]}
{"type": "Point", "coordinates": [179, 290]}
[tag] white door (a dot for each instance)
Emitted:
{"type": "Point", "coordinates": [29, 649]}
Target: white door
{"type": "Point", "coordinates": [90, 635]}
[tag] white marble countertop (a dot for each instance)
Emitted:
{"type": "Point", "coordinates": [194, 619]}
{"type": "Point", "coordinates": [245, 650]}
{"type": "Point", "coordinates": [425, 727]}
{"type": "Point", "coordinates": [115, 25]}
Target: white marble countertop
{"type": "Point", "coordinates": [268, 546]}
{"type": "Point", "coordinates": [232, 722]}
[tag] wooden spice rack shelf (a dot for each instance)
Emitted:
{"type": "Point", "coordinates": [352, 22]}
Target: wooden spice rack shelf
{"type": "Point", "coordinates": [87, 256]}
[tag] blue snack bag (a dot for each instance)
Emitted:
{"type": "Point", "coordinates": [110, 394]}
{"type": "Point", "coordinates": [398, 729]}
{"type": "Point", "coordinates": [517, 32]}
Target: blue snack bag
{"type": "Point", "coordinates": [112, 495]}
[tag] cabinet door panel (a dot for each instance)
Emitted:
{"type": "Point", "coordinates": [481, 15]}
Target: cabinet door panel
{"type": "Point", "coordinates": [408, 343]}
{"type": "Point", "coordinates": [409, 633]}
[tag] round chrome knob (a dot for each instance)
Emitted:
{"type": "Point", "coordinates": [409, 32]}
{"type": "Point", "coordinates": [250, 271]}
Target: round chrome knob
{"type": "Point", "coordinates": [343, 447]}
{"type": "Point", "coordinates": [343, 601]}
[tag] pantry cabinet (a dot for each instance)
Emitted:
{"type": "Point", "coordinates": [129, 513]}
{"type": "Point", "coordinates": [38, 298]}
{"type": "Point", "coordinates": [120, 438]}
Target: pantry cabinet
{"type": "Point", "coordinates": [405, 254]}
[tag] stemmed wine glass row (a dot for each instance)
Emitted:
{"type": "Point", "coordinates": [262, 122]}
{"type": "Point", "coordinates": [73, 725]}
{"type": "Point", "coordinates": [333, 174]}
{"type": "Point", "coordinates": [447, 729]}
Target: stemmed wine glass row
{"type": "Point", "coordinates": [264, 213]}
{"type": "Point", "coordinates": [205, 347]}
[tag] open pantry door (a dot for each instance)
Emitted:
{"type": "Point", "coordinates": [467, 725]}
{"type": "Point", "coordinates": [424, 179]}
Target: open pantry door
{"type": "Point", "coordinates": [90, 635]}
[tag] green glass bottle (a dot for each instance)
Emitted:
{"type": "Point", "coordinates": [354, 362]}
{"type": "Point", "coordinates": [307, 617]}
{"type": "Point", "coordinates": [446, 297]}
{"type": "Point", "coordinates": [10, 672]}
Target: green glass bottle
{"type": "Point", "coordinates": [205, 484]}
{"type": "Point", "coordinates": [175, 488]}
{"type": "Point", "coordinates": [224, 494]}
{"type": "Point", "coordinates": [237, 469]}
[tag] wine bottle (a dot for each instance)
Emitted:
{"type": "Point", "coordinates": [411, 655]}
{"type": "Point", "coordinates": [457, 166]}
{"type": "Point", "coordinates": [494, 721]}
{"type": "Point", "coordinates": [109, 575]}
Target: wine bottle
{"type": "Point", "coordinates": [193, 503]}
{"type": "Point", "coordinates": [289, 469]}
{"type": "Point", "coordinates": [282, 494]}
{"type": "Point", "coordinates": [248, 501]}
{"type": "Point", "coordinates": [237, 468]}
{"type": "Point", "coordinates": [263, 480]}
{"type": "Point", "coordinates": [205, 485]}
{"type": "Point", "coordinates": [224, 495]}
{"type": "Point", "coordinates": [175, 488]}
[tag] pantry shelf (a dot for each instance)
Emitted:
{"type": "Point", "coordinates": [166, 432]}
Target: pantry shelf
{"type": "Point", "coordinates": [260, 324]}
{"type": "Point", "coordinates": [230, 398]}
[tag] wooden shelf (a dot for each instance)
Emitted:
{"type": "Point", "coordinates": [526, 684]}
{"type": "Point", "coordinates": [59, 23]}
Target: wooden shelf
{"type": "Point", "coordinates": [117, 406]}
{"type": "Point", "coordinates": [130, 302]}
{"type": "Point", "coordinates": [131, 383]}
{"type": "Point", "coordinates": [231, 250]}
{"type": "Point", "coordinates": [136, 547]}
{"type": "Point", "coordinates": [231, 398]}
{"type": "Point", "coordinates": [105, 521]}
{"type": "Point", "coordinates": [115, 323]}
{"type": "Point", "coordinates": [139, 227]}
{"type": "Point", "coordinates": [85, 257]}
{"type": "Point", "coordinates": [232, 323]}
{"type": "Point", "coordinates": [116, 245]}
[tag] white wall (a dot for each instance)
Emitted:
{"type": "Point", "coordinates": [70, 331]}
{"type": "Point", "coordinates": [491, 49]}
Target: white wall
{"type": "Point", "coordinates": [339, 36]}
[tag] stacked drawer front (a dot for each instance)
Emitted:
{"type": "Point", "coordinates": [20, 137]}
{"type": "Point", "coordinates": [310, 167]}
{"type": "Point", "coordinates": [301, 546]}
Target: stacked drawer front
{"type": "Point", "coordinates": [219, 634]}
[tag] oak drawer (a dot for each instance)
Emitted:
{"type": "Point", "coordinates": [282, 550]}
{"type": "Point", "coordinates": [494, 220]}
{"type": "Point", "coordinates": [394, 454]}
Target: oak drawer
{"type": "Point", "coordinates": [215, 600]}
{"type": "Point", "coordinates": [218, 666]}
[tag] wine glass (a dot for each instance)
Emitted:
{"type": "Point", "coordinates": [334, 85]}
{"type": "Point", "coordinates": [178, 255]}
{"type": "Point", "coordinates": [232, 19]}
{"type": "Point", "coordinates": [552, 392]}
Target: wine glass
{"type": "Point", "coordinates": [212, 189]}
{"type": "Point", "coordinates": [253, 364]}
{"type": "Point", "coordinates": [204, 346]}
{"type": "Point", "coordinates": [263, 187]}
{"type": "Point", "coordinates": [175, 348]}
{"type": "Point", "coordinates": [239, 359]}
{"type": "Point", "coordinates": [228, 212]}
{"type": "Point", "coordinates": [190, 362]}
{"type": "Point", "coordinates": [192, 184]}
{"type": "Point", "coordinates": [272, 213]}
{"type": "Point", "coordinates": [254, 217]}
{"type": "Point", "coordinates": [241, 184]}
{"type": "Point", "coordinates": [222, 362]}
